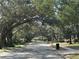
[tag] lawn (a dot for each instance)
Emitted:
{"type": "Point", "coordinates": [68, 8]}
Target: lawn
{"type": "Point", "coordinates": [73, 46]}
{"type": "Point", "coordinates": [2, 50]}
{"type": "Point", "coordinates": [76, 44]}
{"type": "Point", "coordinates": [74, 57]}
{"type": "Point", "coordinates": [10, 48]}
{"type": "Point", "coordinates": [68, 45]}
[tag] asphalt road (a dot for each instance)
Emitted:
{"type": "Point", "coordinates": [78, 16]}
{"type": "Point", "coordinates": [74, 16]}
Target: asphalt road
{"type": "Point", "coordinates": [39, 50]}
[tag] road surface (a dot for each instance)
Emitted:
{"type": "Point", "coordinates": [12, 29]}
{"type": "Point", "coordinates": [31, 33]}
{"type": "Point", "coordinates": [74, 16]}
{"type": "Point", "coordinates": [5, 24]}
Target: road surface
{"type": "Point", "coordinates": [38, 50]}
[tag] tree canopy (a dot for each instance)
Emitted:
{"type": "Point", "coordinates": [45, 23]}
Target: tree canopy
{"type": "Point", "coordinates": [25, 18]}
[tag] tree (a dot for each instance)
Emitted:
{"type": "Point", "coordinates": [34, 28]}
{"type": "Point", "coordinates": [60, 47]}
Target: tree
{"type": "Point", "coordinates": [68, 13]}
{"type": "Point", "coordinates": [13, 14]}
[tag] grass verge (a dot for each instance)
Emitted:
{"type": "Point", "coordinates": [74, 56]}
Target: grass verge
{"type": "Point", "coordinates": [6, 49]}
{"type": "Point", "coordinates": [75, 56]}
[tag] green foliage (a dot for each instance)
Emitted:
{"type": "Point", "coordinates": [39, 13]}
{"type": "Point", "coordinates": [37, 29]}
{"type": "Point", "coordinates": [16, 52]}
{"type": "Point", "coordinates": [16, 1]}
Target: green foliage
{"type": "Point", "coordinates": [44, 7]}
{"type": "Point", "coordinates": [55, 16]}
{"type": "Point", "coordinates": [69, 13]}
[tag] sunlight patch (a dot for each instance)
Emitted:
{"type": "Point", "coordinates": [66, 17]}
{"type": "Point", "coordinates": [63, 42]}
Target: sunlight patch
{"type": "Point", "coordinates": [50, 56]}
{"type": "Point", "coordinates": [44, 44]}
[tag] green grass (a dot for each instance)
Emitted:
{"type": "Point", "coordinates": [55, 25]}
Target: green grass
{"type": "Point", "coordinates": [74, 57]}
{"type": "Point", "coordinates": [10, 48]}
{"type": "Point", "coordinates": [77, 44]}
{"type": "Point", "coordinates": [19, 46]}
{"type": "Point", "coordinates": [4, 49]}
{"type": "Point", "coordinates": [67, 44]}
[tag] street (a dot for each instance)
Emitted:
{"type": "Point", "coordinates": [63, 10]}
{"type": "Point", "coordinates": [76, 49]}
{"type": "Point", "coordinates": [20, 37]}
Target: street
{"type": "Point", "coordinates": [39, 50]}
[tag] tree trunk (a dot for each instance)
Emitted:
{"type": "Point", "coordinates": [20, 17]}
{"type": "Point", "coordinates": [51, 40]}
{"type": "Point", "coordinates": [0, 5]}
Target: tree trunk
{"type": "Point", "coordinates": [70, 40]}
{"type": "Point", "coordinates": [3, 38]}
{"type": "Point", "coordinates": [6, 37]}
{"type": "Point", "coordinates": [9, 39]}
